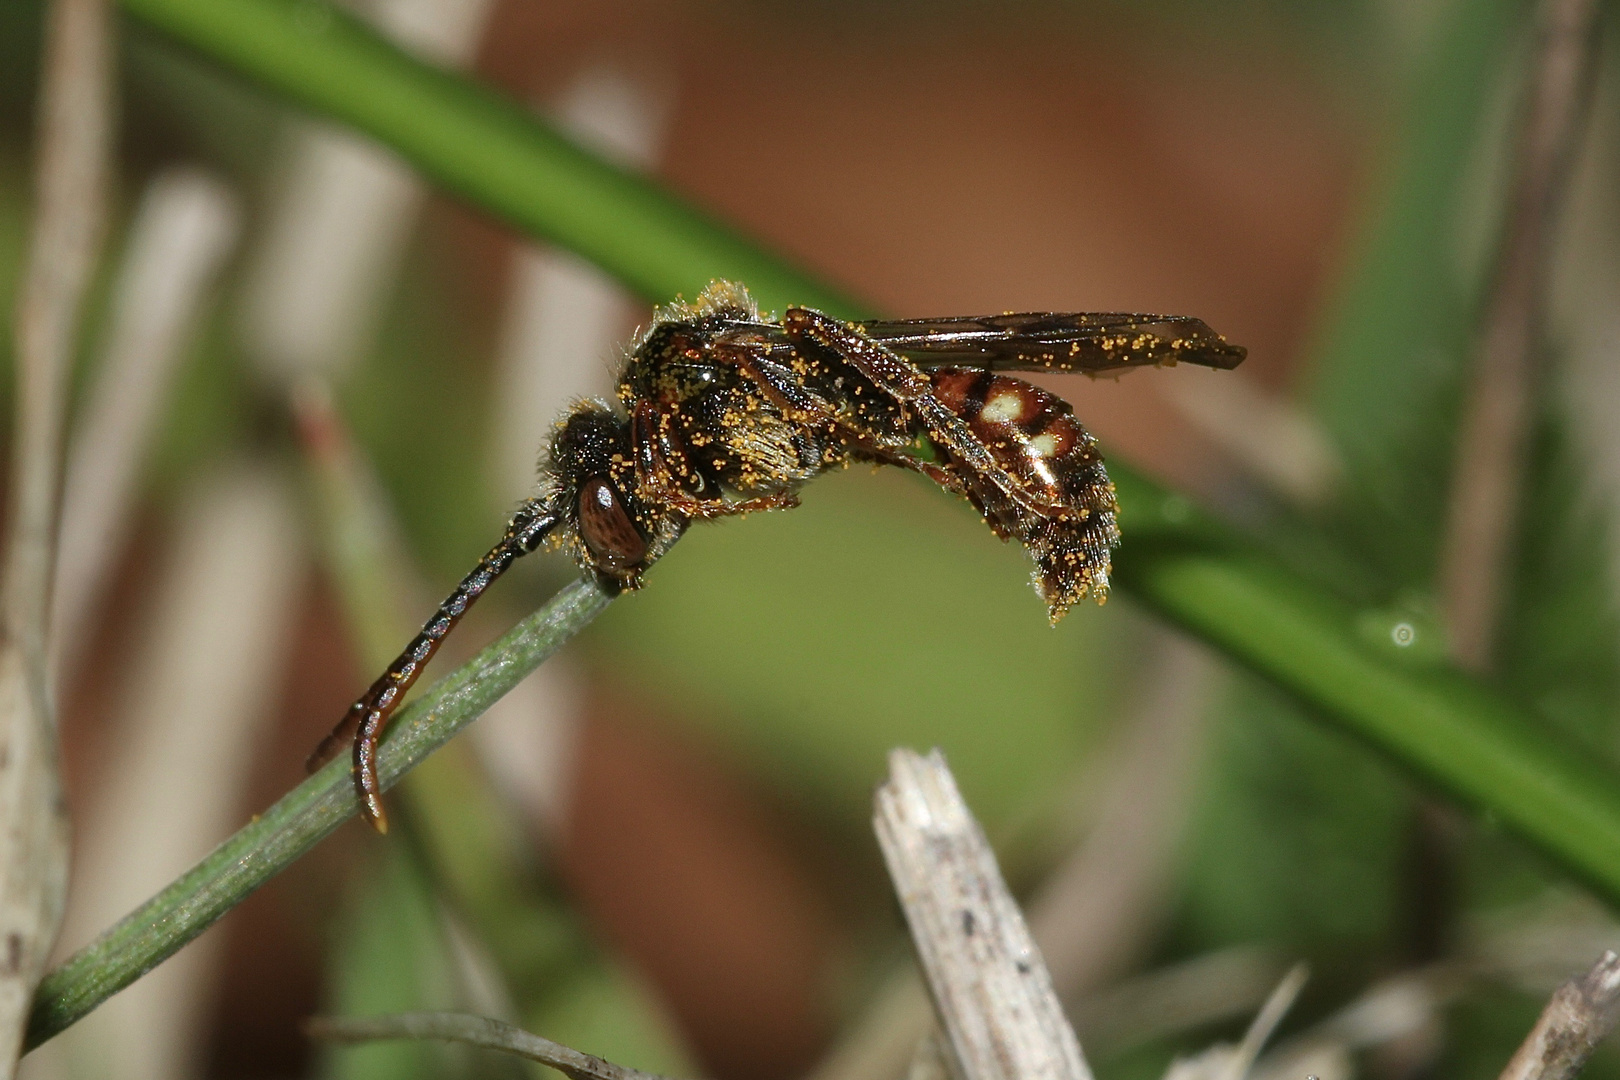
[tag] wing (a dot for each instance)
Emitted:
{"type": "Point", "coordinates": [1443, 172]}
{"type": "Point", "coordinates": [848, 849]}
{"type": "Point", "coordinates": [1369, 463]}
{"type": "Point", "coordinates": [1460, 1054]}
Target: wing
{"type": "Point", "coordinates": [1043, 341]}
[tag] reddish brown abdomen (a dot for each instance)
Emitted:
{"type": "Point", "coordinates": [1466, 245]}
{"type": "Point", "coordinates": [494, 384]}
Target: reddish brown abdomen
{"type": "Point", "coordinates": [1035, 437]}
{"type": "Point", "coordinates": [1032, 433]}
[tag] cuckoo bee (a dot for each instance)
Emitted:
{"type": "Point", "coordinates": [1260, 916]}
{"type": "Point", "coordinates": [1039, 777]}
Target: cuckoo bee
{"type": "Point", "coordinates": [725, 410]}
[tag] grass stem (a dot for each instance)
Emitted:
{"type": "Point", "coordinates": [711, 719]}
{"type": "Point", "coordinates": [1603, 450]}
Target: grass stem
{"type": "Point", "coordinates": [301, 818]}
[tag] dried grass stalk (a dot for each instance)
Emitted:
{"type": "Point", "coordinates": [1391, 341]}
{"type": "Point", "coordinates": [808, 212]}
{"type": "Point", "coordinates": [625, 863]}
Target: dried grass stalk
{"type": "Point", "coordinates": [991, 991]}
{"type": "Point", "coordinates": [1580, 1014]}
{"type": "Point", "coordinates": [70, 186]}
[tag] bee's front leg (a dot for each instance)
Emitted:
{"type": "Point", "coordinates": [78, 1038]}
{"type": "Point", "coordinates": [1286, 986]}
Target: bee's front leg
{"type": "Point", "coordinates": [659, 467]}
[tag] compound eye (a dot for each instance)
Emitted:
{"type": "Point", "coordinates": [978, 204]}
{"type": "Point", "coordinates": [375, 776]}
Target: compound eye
{"type": "Point", "coordinates": [606, 528]}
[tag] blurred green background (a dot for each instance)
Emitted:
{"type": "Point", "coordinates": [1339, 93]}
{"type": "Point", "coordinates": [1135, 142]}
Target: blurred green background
{"type": "Point", "coordinates": [1322, 182]}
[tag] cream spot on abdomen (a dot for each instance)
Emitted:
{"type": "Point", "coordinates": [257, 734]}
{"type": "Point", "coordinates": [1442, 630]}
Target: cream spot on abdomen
{"type": "Point", "coordinates": [1006, 407]}
{"type": "Point", "coordinates": [1044, 445]}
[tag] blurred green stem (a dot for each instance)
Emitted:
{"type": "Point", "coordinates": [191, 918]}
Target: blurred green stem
{"type": "Point", "coordinates": [1374, 674]}
{"type": "Point", "coordinates": [300, 819]}
{"type": "Point", "coordinates": [490, 151]}
{"type": "Point", "coordinates": [1463, 737]}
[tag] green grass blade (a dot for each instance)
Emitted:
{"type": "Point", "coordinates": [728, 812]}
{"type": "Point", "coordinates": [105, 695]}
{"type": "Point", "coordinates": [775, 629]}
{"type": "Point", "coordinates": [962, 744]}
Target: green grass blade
{"type": "Point", "coordinates": [1448, 728]}
{"type": "Point", "coordinates": [302, 817]}
{"type": "Point", "coordinates": [493, 153]}
{"type": "Point", "coordinates": [1403, 307]}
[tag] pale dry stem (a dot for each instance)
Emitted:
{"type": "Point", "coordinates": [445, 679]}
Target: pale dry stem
{"type": "Point", "coordinates": [992, 994]}
{"type": "Point", "coordinates": [1580, 1014]}
{"type": "Point", "coordinates": [70, 181]}
{"type": "Point", "coordinates": [1100, 906]}
{"type": "Point", "coordinates": [182, 232]}
{"type": "Point", "coordinates": [1493, 441]}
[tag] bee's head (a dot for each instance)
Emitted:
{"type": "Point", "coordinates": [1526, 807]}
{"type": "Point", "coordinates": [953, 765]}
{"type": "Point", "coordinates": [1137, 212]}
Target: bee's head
{"type": "Point", "coordinates": [591, 480]}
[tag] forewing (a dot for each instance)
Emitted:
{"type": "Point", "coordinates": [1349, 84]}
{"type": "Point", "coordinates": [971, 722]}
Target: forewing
{"type": "Point", "coordinates": [1042, 341]}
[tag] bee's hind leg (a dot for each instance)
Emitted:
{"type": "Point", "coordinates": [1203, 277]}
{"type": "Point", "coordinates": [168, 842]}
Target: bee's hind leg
{"type": "Point", "coordinates": [910, 386]}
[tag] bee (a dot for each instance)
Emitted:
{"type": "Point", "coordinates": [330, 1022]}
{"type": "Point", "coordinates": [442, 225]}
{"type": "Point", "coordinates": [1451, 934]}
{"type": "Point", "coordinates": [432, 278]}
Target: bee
{"type": "Point", "coordinates": [725, 410]}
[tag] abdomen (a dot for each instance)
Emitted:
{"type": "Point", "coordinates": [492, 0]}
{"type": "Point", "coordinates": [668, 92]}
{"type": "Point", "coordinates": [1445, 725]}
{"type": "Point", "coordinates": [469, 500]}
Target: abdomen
{"type": "Point", "coordinates": [1036, 438]}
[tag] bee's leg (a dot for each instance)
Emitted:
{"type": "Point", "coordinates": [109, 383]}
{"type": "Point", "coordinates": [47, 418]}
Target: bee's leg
{"type": "Point", "coordinates": [907, 384]}
{"type": "Point", "coordinates": [943, 475]}
{"type": "Point", "coordinates": [656, 474]}
{"type": "Point", "coordinates": [996, 509]}
{"type": "Point", "coordinates": [366, 718]}
{"type": "Point", "coordinates": [780, 387]}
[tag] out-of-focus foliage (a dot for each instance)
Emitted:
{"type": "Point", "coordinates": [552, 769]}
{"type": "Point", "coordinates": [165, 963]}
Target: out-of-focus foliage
{"type": "Point", "coordinates": [1304, 833]}
{"type": "Point", "coordinates": [389, 954]}
{"type": "Point", "coordinates": [879, 614]}
{"type": "Point", "coordinates": [1386, 380]}
{"type": "Point", "coordinates": [804, 645]}
{"type": "Point", "coordinates": [13, 195]}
